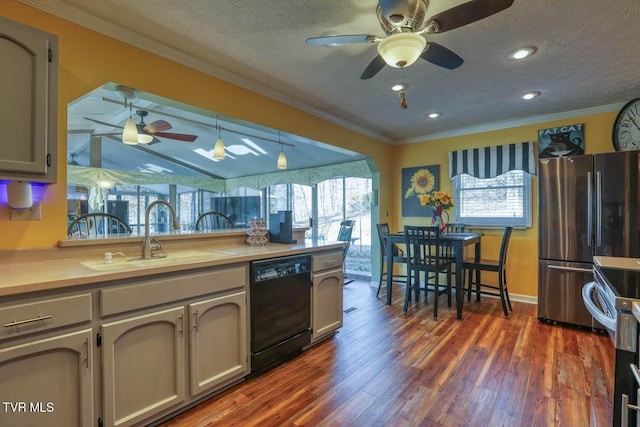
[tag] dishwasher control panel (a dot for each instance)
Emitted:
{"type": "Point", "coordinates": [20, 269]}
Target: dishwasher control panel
{"type": "Point", "coordinates": [280, 267]}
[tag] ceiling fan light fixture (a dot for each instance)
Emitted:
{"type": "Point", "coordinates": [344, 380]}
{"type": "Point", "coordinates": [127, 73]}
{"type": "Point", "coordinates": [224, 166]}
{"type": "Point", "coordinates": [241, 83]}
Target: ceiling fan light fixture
{"type": "Point", "coordinates": [401, 49]}
{"type": "Point", "coordinates": [130, 133]}
{"type": "Point", "coordinates": [397, 87]}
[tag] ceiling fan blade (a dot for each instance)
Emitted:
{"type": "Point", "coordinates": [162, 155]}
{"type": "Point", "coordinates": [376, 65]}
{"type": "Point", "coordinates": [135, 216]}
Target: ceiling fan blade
{"type": "Point", "coordinates": [176, 136]}
{"type": "Point", "coordinates": [372, 69]}
{"type": "Point", "coordinates": [103, 123]}
{"type": "Point", "coordinates": [157, 126]}
{"type": "Point", "coordinates": [340, 40]}
{"type": "Point", "coordinates": [465, 13]}
{"type": "Point", "coordinates": [440, 55]}
{"type": "Point", "coordinates": [394, 10]}
{"type": "Point", "coordinates": [107, 134]}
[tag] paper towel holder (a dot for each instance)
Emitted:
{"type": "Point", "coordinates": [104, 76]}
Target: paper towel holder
{"type": "Point", "coordinates": [19, 195]}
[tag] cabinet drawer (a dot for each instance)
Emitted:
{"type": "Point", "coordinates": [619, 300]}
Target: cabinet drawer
{"type": "Point", "coordinates": [152, 292]}
{"type": "Point", "coordinates": [21, 319]}
{"type": "Point", "coordinates": [325, 260]}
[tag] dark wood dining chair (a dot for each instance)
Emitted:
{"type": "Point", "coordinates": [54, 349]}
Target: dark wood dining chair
{"type": "Point", "coordinates": [209, 221]}
{"type": "Point", "coordinates": [97, 224]}
{"type": "Point", "coordinates": [485, 265]}
{"type": "Point", "coordinates": [397, 257]}
{"type": "Point", "coordinates": [424, 254]}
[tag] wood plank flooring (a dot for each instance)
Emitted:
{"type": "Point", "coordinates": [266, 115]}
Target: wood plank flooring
{"type": "Point", "coordinates": [385, 368]}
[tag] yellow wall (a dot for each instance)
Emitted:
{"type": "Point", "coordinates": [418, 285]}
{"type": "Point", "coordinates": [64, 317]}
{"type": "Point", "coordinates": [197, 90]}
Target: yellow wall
{"type": "Point", "coordinates": [523, 247]}
{"type": "Point", "coordinates": [89, 60]}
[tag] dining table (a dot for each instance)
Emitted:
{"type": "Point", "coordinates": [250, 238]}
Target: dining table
{"type": "Point", "coordinates": [458, 241]}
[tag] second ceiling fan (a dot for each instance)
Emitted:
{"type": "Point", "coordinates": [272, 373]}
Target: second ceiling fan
{"type": "Point", "coordinates": [404, 22]}
{"type": "Point", "coordinates": [155, 129]}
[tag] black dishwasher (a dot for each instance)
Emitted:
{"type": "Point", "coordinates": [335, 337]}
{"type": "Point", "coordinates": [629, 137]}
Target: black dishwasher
{"type": "Point", "coordinates": [280, 309]}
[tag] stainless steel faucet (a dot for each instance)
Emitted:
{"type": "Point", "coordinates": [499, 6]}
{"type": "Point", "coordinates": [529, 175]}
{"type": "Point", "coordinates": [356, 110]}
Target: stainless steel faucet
{"type": "Point", "coordinates": [149, 244]}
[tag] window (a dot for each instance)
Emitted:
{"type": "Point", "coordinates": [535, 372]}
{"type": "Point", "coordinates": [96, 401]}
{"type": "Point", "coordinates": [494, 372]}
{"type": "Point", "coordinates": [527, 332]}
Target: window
{"type": "Point", "coordinates": [500, 201]}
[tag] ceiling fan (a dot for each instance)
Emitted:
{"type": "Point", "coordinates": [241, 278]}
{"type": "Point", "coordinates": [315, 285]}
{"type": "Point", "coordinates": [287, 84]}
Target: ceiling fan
{"type": "Point", "coordinates": [404, 22]}
{"type": "Point", "coordinates": [155, 129]}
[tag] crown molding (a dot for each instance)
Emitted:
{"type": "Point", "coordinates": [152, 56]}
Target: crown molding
{"type": "Point", "coordinates": [65, 11]}
{"type": "Point", "coordinates": [513, 123]}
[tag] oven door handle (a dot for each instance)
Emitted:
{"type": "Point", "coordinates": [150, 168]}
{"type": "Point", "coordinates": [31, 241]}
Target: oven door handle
{"type": "Point", "coordinates": [598, 315]}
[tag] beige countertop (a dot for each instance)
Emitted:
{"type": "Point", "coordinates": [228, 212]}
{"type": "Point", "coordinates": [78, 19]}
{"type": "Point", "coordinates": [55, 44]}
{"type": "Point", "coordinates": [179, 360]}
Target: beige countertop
{"type": "Point", "coordinates": [617, 262]}
{"type": "Point", "coordinates": [23, 275]}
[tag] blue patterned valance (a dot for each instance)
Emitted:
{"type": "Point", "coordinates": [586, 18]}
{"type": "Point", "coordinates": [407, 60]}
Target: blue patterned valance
{"type": "Point", "coordinates": [489, 162]}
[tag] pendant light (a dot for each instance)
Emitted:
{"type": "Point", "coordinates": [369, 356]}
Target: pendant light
{"type": "Point", "coordinates": [282, 158]}
{"type": "Point", "coordinates": [130, 132]}
{"type": "Point", "coordinates": [218, 150]}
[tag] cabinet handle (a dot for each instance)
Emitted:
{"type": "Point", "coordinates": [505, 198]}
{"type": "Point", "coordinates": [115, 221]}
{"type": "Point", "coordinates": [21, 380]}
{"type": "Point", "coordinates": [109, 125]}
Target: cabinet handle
{"type": "Point", "coordinates": [181, 326]}
{"type": "Point", "coordinates": [86, 351]}
{"type": "Point", "coordinates": [330, 262]}
{"type": "Point", "coordinates": [195, 320]}
{"type": "Point", "coordinates": [22, 322]}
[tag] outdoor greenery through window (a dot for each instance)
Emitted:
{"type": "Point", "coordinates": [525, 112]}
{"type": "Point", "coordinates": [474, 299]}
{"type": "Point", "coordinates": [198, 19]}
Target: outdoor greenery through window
{"type": "Point", "coordinates": [500, 201]}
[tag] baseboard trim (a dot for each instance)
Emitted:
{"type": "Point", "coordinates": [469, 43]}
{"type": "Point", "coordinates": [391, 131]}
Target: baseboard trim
{"type": "Point", "coordinates": [527, 299]}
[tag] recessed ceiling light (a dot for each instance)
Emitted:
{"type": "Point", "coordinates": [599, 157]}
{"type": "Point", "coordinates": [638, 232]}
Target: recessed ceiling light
{"type": "Point", "coordinates": [530, 95]}
{"type": "Point", "coordinates": [521, 53]}
{"type": "Point", "coordinates": [397, 87]}
{"type": "Point", "coordinates": [434, 115]}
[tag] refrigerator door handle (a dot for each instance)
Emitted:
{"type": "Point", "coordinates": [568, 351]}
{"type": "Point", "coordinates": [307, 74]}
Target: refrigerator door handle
{"type": "Point", "coordinates": [599, 209]}
{"type": "Point", "coordinates": [581, 270]}
{"type": "Point", "coordinates": [589, 208]}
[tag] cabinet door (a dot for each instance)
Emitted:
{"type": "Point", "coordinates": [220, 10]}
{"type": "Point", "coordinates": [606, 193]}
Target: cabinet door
{"type": "Point", "coordinates": [26, 84]}
{"type": "Point", "coordinates": [327, 302]}
{"type": "Point", "coordinates": [48, 382]}
{"type": "Point", "coordinates": [142, 366]}
{"type": "Point", "coordinates": [218, 342]}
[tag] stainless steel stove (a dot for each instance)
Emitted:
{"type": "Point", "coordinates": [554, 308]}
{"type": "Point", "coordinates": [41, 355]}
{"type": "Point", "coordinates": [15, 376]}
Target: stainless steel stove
{"type": "Point", "coordinates": [609, 298]}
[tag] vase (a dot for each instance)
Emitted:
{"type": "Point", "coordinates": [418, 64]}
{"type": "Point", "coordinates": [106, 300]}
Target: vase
{"type": "Point", "coordinates": [438, 220]}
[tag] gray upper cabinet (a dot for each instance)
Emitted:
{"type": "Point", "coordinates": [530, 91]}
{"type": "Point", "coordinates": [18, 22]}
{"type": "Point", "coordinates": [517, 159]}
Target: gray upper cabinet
{"type": "Point", "coordinates": [29, 103]}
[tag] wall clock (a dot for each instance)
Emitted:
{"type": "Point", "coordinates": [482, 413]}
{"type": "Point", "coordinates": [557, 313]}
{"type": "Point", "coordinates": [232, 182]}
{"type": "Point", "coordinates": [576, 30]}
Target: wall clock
{"type": "Point", "coordinates": [626, 128]}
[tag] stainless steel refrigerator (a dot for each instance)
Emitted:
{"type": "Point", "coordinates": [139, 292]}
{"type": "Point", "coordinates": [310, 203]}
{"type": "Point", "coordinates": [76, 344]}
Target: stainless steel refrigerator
{"type": "Point", "coordinates": [587, 205]}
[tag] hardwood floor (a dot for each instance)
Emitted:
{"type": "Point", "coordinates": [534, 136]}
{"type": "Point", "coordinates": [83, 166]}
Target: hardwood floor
{"type": "Point", "coordinates": [385, 368]}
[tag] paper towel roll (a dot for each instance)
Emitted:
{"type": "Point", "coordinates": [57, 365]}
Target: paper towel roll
{"type": "Point", "coordinates": [19, 194]}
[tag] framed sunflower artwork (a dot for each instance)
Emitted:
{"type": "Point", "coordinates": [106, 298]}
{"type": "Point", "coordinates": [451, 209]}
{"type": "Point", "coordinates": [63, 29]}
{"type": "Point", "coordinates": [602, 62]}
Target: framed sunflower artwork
{"type": "Point", "coordinates": [416, 181]}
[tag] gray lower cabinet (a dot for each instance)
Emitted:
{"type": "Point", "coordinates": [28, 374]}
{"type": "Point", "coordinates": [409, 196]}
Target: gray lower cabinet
{"type": "Point", "coordinates": [218, 341]}
{"type": "Point", "coordinates": [170, 340]}
{"type": "Point", "coordinates": [48, 382]}
{"type": "Point", "coordinates": [326, 296]}
{"type": "Point", "coordinates": [142, 366]}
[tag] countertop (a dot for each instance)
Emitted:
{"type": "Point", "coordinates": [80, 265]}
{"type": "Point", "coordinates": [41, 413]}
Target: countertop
{"type": "Point", "coordinates": [19, 277]}
{"type": "Point", "coordinates": [617, 262]}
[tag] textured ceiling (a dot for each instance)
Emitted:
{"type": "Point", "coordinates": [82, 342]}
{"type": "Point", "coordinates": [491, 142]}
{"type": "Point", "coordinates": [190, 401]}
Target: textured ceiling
{"type": "Point", "coordinates": [588, 57]}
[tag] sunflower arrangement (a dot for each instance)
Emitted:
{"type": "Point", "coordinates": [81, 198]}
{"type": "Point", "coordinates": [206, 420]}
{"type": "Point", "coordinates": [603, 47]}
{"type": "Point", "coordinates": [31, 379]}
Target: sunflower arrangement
{"type": "Point", "coordinates": [440, 200]}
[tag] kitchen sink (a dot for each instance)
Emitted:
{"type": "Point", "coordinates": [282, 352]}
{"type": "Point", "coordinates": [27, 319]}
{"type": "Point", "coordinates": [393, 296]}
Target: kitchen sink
{"type": "Point", "coordinates": [178, 257]}
{"type": "Point", "coordinates": [116, 265]}
{"type": "Point", "coordinates": [181, 256]}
